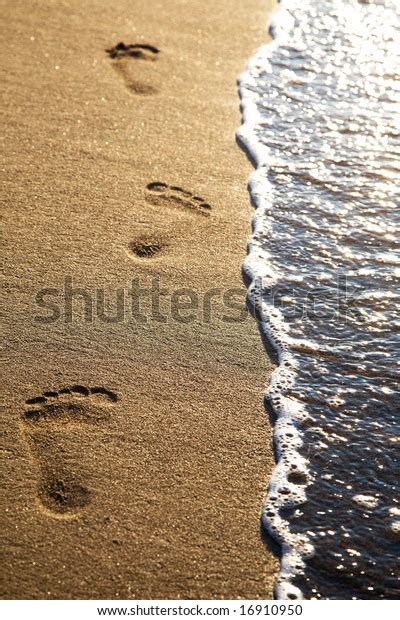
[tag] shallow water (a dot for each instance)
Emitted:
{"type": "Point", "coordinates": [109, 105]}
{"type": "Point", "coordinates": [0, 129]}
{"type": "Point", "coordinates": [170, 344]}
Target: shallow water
{"type": "Point", "coordinates": [322, 122]}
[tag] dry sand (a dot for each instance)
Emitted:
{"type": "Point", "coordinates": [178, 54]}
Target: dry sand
{"type": "Point", "coordinates": [151, 485]}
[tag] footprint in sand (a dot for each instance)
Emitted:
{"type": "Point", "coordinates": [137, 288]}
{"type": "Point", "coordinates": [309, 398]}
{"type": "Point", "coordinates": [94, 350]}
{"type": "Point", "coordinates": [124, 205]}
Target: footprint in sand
{"type": "Point", "coordinates": [47, 421]}
{"type": "Point", "coordinates": [147, 246]}
{"type": "Point", "coordinates": [172, 196]}
{"type": "Point", "coordinates": [131, 63]}
{"type": "Point", "coordinates": [161, 194]}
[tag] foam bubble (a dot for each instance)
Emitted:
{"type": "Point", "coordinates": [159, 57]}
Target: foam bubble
{"type": "Point", "coordinates": [366, 501]}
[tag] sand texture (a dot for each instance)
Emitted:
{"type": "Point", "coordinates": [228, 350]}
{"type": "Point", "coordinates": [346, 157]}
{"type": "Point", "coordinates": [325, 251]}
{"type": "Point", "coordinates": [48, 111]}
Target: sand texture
{"type": "Point", "coordinates": [136, 452]}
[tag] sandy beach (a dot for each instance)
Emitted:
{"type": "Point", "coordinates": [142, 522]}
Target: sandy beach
{"type": "Point", "coordinates": [136, 451]}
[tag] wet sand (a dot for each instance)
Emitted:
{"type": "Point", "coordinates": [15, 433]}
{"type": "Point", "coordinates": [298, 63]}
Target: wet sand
{"type": "Point", "coordinates": [138, 466]}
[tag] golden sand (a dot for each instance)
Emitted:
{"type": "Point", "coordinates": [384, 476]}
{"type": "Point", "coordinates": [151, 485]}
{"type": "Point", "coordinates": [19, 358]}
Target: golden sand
{"type": "Point", "coordinates": [146, 480]}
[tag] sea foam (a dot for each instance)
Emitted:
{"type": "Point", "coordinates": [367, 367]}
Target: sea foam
{"type": "Point", "coordinates": [321, 131]}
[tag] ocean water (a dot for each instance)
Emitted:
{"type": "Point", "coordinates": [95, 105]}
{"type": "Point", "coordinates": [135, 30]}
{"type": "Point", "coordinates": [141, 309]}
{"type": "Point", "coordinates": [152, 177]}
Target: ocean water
{"type": "Point", "coordinates": [321, 121]}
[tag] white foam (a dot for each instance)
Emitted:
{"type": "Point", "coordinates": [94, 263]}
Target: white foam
{"type": "Point", "coordinates": [290, 478]}
{"type": "Point", "coordinates": [316, 230]}
{"type": "Point", "coordinates": [366, 501]}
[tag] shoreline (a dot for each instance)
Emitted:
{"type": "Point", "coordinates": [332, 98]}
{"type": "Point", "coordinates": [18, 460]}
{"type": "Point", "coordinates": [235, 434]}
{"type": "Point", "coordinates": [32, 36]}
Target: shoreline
{"type": "Point", "coordinates": [123, 166]}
